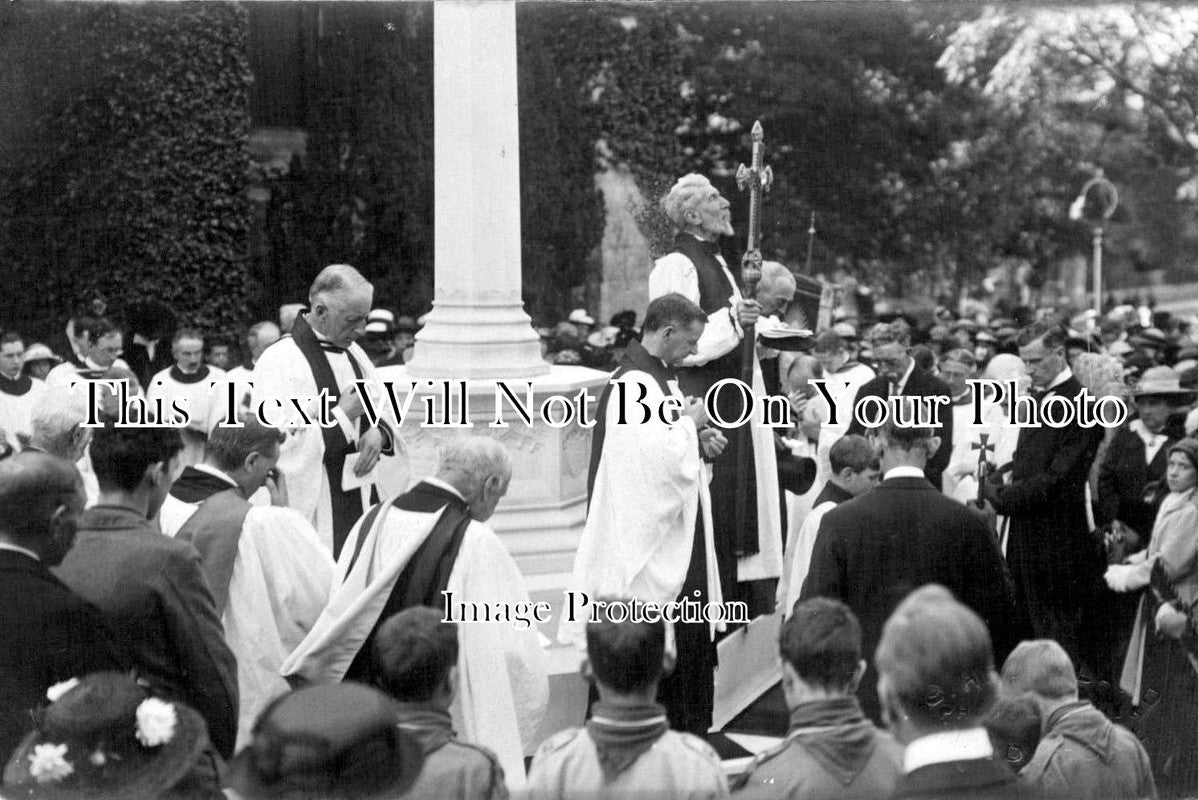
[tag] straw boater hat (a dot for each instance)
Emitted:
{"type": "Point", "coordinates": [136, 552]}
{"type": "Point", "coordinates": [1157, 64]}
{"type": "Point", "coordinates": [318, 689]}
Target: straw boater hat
{"type": "Point", "coordinates": [1161, 382]}
{"type": "Point", "coordinates": [105, 738]}
{"type": "Point", "coordinates": [326, 743]}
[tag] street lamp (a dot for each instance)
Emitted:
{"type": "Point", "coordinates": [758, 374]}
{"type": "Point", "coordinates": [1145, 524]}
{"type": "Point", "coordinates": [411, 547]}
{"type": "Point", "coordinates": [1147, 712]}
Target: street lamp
{"type": "Point", "coordinates": [1108, 198]}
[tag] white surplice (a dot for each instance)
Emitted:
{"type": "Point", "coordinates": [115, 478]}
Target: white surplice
{"type": "Point", "coordinates": [16, 411]}
{"type": "Point", "coordinates": [503, 683]}
{"type": "Point", "coordinates": [675, 272]}
{"type": "Point", "coordinates": [650, 487]}
{"type": "Point", "coordinates": [282, 577]}
{"type": "Point", "coordinates": [798, 557]}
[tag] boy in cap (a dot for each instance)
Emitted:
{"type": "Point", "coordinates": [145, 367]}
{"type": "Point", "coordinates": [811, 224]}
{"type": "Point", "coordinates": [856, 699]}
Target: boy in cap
{"type": "Point", "coordinates": [626, 747]}
{"type": "Point", "coordinates": [416, 656]}
{"type": "Point", "coordinates": [1081, 753]}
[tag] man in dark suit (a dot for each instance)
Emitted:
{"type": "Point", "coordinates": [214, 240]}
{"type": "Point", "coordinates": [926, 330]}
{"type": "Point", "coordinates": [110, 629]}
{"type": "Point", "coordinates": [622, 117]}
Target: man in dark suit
{"type": "Point", "coordinates": [48, 634]}
{"type": "Point", "coordinates": [150, 587]}
{"type": "Point", "coordinates": [899, 376]}
{"type": "Point", "coordinates": [876, 548]}
{"type": "Point", "coordinates": [936, 679]}
{"type": "Point", "coordinates": [1056, 565]}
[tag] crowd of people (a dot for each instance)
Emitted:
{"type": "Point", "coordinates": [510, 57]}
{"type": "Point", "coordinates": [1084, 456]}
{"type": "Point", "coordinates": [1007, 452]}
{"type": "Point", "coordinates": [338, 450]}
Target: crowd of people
{"type": "Point", "coordinates": [970, 606]}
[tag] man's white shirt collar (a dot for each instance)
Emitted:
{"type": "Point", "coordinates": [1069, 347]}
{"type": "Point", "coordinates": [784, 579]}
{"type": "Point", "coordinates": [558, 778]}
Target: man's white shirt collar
{"type": "Point", "coordinates": [939, 748]}
{"type": "Point", "coordinates": [17, 549]}
{"type": "Point", "coordinates": [902, 384]}
{"type": "Point", "coordinates": [447, 487]}
{"type": "Point", "coordinates": [224, 476]}
{"type": "Point", "coordinates": [903, 472]}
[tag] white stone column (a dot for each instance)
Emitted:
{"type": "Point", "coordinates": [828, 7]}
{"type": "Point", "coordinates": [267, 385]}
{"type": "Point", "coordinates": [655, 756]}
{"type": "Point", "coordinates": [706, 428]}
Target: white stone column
{"type": "Point", "coordinates": [478, 327]}
{"type": "Point", "coordinates": [479, 334]}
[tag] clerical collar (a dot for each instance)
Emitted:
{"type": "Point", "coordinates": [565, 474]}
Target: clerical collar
{"type": "Point", "coordinates": [179, 376]}
{"type": "Point", "coordinates": [1061, 377]}
{"type": "Point", "coordinates": [224, 476]}
{"type": "Point", "coordinates": [963, 745]}
{"type": "Point", "coordinates": [12, 548]}
{"type": "Point", "coordinates": [440, 484]}
{"type": "Point", "coordinates": [903, 472]}
{"type": "Point", "coordinates": [902, 383]}
{"type": "Point", "coordinates": [961, 399]}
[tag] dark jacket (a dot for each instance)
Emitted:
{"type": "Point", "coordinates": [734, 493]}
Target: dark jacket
{"type": "Point", "coordinates": [832, 750]}
{"type": "Point", "coordinates": [150, 589]}
{"type": "Point", "coordinates": [980, 779]}
{"type": "Point", "coordinates": [452, 770]}
{"type": "Point", "coordinates": [1084, 755]}
{"type": "Point", "coordinates": [48, 634]}
{"type": "Point", "coordinates": [873, 550]}
{"type": "Point", "coordinates": [920, 384]}
{"type": "Point", "coordinates": [1124, 490]}
{"type": "Point", "coordinates": [1054, 560]}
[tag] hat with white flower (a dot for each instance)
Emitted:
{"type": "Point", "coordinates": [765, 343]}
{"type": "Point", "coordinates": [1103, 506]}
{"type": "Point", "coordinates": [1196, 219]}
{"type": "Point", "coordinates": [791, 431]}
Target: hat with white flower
{"type": "Point", "coordinates": [104, 736]}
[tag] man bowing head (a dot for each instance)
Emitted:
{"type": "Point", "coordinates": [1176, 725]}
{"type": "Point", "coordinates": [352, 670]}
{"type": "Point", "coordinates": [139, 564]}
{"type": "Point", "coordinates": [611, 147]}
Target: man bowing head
{"type": "Point", "coordinates": [329, 468]}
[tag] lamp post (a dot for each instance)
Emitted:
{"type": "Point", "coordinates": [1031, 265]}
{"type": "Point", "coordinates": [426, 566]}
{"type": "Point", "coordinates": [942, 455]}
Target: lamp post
{"type": "Point", "coordinates": [1109, 200]}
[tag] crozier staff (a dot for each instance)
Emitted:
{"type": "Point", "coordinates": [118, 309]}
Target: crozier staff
{"type": "Point", "coordinates": [696, 270]}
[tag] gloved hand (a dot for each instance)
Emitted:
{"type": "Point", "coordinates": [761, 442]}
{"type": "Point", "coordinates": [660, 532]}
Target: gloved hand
{"type": "Point", "coordinates": [1170, 621]}
{"type": "Point", "coordinates": [1121, 577]}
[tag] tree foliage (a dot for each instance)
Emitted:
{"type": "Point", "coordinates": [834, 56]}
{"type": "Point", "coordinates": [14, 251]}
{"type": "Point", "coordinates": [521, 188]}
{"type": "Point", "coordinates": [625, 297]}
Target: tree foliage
{"type": "Point", "coordinates": [123, 169]}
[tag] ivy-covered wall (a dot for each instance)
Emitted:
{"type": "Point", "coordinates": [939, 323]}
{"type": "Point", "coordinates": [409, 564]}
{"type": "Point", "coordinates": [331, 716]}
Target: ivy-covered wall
{"type": "Point", "coordinates": [123, 168]}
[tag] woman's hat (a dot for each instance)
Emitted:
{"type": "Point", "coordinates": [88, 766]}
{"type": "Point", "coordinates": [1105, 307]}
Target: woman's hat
{"type": "Point", "coordinates": [330, 741]}
{"type": "Point", "coordinates": [1189, 447]}
{"type": "Point", "coordinates": [40, 352]}
{"type": "Point", "coordinates": [1160, 382]}
{"type": "Point", "coordinates": [105, 738]}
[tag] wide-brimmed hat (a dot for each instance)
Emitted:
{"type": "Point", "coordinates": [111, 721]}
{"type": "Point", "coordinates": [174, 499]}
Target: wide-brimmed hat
{"type": "Point", "coordinates": [327, 742]}
{"type": "Point", "coordinates": [39, 352]}
{"type": "Point", "coordinates": [1160, 382]}
{"type": "Point", "coordinates": [105, 738]}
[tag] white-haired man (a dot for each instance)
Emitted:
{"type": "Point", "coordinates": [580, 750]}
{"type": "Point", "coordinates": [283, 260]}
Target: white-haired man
{"type": "Point", "coordinates": [748, 547]}
{"type": "Point", "coordinates": [260, 336]}
{"type": "Point", "coordinates": [430, 547]}
{"type": "Point", "coordinates": [322, 355]}
{"type": "Point", "coordinates": [57, 424]}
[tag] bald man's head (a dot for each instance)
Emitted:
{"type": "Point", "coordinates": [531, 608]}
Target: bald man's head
{"type": "Point", "coordinates": [776, 289]}
{"type": "Point", "coordinates": [41, 497]}
{"type": "Point", "coordinates": [340, 300]}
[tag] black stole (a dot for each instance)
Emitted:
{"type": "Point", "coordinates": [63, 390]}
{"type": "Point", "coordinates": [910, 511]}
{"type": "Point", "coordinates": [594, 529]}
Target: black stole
{"type": "Point", "coordinates": [733, 534]}
{"type": "Point", "coordinates": [426, 574]}
{"type": "Point", "coordinates": [346, 506]}
{"type": "Point", "coordinates": [636, 357]}
{"type": "Point", "coordinates": [215, 531]}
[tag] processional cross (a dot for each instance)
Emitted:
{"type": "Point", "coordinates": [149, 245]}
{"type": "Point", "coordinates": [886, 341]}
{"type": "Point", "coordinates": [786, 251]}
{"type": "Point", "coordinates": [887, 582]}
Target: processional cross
{"type": "Point", "coordinates": [757, 178]}
{"type": "Point", "coordinates": [984, 448]}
